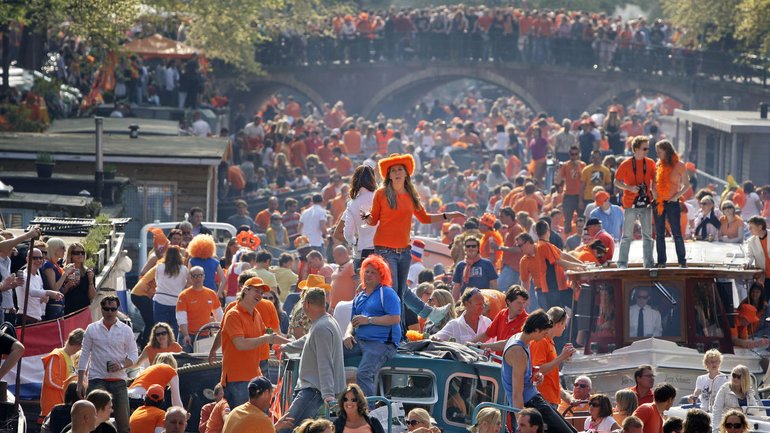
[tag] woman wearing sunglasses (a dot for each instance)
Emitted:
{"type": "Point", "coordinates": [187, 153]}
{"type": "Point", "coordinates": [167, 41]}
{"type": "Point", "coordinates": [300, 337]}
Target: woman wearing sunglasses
{"type": "Point", "coordinates": [736, 393]}
{"type": "Point", "coordinates": [79, 289]}
{"type": "Point", "coordinates": [732, 225]}
{"type": "Point", "coordinates": [161, 340]}
{"type": "Point", "coordinates": [354, 413]}
{"type": "Point", "coordinates": [418, 421]}
{"type": "Point", "coordinates": [600, 419]}
{"type": "Point", "coordinates": [734, 421]}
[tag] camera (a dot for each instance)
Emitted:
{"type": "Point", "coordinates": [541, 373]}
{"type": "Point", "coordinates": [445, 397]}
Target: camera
{"type": "Point", "coordinates": [642, 199]}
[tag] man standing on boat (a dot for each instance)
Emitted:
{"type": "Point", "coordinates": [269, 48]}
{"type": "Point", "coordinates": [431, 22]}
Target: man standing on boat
{"type": "Point", "coordinates": [634, 177]}
{"type": "Point", "coordinates": [519, 381]}
{"type": "Point", "coordinates": [321, 367]}
{"type": "Point", "coordinates": [671, 182]}
{"type": "Point", "coordinates": [758, 254]}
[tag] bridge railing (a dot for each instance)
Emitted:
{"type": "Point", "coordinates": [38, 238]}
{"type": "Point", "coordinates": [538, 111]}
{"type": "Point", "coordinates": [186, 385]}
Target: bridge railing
{"type": "Point", "coordinates": [659, 60]}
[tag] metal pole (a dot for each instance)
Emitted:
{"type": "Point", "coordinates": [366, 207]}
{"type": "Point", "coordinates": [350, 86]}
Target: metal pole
{"type": "Point", "coordinates": [734, 157]}
{"type": "Point", "coordinates": [99, 175]}
{"type": "Point", "coordinates": [24, 317]}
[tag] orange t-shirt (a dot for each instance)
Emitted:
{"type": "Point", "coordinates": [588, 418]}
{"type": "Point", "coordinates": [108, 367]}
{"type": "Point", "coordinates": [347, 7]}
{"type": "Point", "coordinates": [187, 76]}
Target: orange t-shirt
{"type": "Point", "coordinates": [512, 259]}
{"type": "Point", "coordinates": [527, 204]}
{"type": "Point", "coordinates": [529, 268]}
{"type": "Point", "coordinates": [570, 173]}
{"type": "Point", "coordinates": [146, 418]}
{"type": "Point", "coordinates": [352, 140]}
{"type": "Point", "coordinates": [157, 374]}
{"type": "Point", "coordinates": [642, 399]}
{"type": "Point", "coordinates": [263, 219]}
{"type": "Point", "coordinates": [236, 178]}
{"type": "Point", "coordinates": [496, 301]}
{"type": "Point", "coordinates": [343, 165]}
{"type": "Point", "coordinates": [395, 225]}
{"type": "Point", "coordinates": [730, 230]}
{"type": "Point", "coordinates": [240, 365]}
{"type": "Point", "coordinates": [485, 247]}
{"type": "Point", "coordinates": [548, 252]}
{"type": "Point", "coordinates": [199, 306]}
{"type": "Point", "coordinates": [269, 316]}
{"type": "Point", "coordinates": [544, 351]}
{"type": "Point", "coordinates": [152, 352]}
{"type": "Point", "coordinates": [625, 174]}
{"type": "Point", "coordinates": [216, 421]}
{"type": "Point", "coordinates": [648, 413]}
{"type": "Point", "coordinates": [585, 254]}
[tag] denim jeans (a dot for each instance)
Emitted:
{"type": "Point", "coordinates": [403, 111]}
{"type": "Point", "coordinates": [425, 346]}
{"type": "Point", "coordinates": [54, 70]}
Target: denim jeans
{"type": "Point", "coordinates": [671, 211]}
{"type": "Point", "coordinates": [551, 418]}
{"type": "Point", "coordinates": [508, 277]}
{"type": "Point", "coordinates": [571, 205]}
{"type": "Point", "coordinates": [166, 313]}
{"type": "Point", "coordinates": [399, 269]}
{"type": "Point", "coordinates": [237, 393]}
{"type": "Point", "coordinates": [304, 405]}
{"type": "Point", "coordinates": [374, 355]}
{"type": "Point", "coordinates": [144, 305]}
{"type": "Point", "coordinates": [644, 215]}
{"type": "Point", "coordinates": [119, 393]}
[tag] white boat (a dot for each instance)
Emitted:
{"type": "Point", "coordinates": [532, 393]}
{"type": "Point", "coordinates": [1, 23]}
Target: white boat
{"type": "Point", "coordinates": [695, 306]}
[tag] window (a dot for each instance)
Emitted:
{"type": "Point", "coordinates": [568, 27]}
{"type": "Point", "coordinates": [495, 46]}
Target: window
{"type": "Point", "coordinates": [707, 310]}
{"type": "Point", "coordinates": [414, 386]}
{"type": "Point", "coordinates": [654, 310]}
{"type": "Point", "coordinates": [463, 393]}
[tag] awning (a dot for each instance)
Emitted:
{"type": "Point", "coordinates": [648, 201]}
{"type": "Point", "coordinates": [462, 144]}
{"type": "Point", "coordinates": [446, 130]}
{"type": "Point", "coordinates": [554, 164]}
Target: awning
{"type": "Point", "coordinates": [160, 46]}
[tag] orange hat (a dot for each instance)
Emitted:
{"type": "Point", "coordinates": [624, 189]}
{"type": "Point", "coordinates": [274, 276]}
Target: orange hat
{"type": "Point", "coordinates": [748, 312]}
{"type": "Point", "coordinates": [256, 282]}
{"type": "Point", "coordinates": [158, 237]}
{"type": "Point", "coordinates": [601, 197]}
{"type": "Point", "coordinates": [396, 159]}
{"type": "Point", "coordinates": [156, 393]}
{"type": "Point", "coordinates": [301, 242]}
{"type": "Point", "coordinates": [488, 220]}
{"type": "Point", "coordinates": [314, 280]}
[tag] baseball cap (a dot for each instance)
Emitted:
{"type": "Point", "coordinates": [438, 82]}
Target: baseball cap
{"type": "Point", "coordinates": [601, 197]}
{"type": "Point", "coordinates": [260, 384]}
{"type": "Point", "coordinates": [156, 393]}
{"type": "Point", "coordinates": [593, 222]}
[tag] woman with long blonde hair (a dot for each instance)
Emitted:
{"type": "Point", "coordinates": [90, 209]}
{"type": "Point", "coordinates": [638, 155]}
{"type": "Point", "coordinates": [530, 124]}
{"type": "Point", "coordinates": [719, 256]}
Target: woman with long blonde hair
{"type": "Point", "coordinates": [735, 394]}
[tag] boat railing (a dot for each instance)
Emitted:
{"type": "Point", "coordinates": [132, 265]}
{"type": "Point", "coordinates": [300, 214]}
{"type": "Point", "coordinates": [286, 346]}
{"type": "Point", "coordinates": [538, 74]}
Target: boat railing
{"type": "Point", "coordinates": [497, 406]}
{"type": "Point", "coordinates": [763, 410]}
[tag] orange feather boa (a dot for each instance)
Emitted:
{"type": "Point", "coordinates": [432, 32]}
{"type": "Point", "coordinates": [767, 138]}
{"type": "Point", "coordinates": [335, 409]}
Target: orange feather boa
{"type": "Point", "coordinates": [663, 183]}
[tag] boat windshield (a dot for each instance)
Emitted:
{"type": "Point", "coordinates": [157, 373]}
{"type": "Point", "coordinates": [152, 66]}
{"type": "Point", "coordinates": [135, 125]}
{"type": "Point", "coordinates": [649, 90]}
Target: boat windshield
{"type": "Point", "coordinates": [654, 310]}
{"type": "Point", "coordinates": [707, 310]}
{"type": "Point", "coordinates": [463, 394]}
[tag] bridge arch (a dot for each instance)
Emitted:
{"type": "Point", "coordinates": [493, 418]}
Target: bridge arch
{"type": "Point", "coordinates": [443, 74]}
{"type": "Point", "coordinates": [268, 84]}
{"type": "Point", "coordinates": [620, 88]}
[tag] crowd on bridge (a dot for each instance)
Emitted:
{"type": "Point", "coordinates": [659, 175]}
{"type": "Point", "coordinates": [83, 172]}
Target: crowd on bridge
{"type": "Point", "coordinates": [562, 37]}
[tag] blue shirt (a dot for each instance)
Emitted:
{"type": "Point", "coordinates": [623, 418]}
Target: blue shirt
{"type": "Point", "coordinates": [507, 372]}
{"type": "Point", "coordinates": [612, 222]}
{"type": "Point", "coordinates": [209, 271]}
{"type": "Point", "coordinates": [382, 302]}
{"type": "Point", "coordinates": [482, 273]}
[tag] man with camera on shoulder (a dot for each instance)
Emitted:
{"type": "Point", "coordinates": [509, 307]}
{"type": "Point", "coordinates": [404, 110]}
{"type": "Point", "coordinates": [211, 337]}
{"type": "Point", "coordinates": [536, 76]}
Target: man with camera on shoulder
{"type": "Point", "coordinates": [634, 177]}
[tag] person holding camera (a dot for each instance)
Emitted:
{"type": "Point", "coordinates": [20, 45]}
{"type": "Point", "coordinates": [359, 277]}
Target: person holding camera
{"type": "Point", "coordinates": [634, 177]}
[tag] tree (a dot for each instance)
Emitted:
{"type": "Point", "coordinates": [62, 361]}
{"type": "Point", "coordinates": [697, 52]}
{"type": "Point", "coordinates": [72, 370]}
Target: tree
{"type": "Point", "coordinates": [754, 24]}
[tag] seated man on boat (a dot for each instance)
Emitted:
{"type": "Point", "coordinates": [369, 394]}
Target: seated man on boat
{"type": "Point", "coordinates": [578, 402]}
{"type": "Point", "coordinates": [643, 319]}
{"type": "Point", "coordinates": [740, 334]}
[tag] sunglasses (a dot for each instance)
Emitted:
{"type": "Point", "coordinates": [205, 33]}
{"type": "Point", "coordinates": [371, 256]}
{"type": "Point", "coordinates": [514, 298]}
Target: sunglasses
{"type": "Point", "coordinates": [268, 298]}
{"type": "Point", "coordinates": [646, 149]}
{"type": "Point", "coordinates": [594, 404]}
{"type": "Point", "coordinates": [412, 422]}
{"type": "Point", "coordinates": [196, 275]}
{"type": "Point", "coordinates": [471, 246]}
{"type": "Point", "coordinates": [737, 376]}
{"type": "Point", "coordinates": [351, 399]}
{"type": "Point", "coordinates": [733, 425]}
{"type": "Point", "coordinates": [110, 309]}
{"type": "Point", "coordinates": [158, 334]}
{"type": "Point", "coordinates": [78, 253]}
{"type": "Point", "coordinates": [580, 385]}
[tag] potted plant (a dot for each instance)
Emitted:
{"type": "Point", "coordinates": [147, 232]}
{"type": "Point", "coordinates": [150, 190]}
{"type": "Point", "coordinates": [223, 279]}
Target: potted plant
{"type": "Point", "coordinates": [44, 164]}
{"type": "Point", "coordinates": [109, 171]}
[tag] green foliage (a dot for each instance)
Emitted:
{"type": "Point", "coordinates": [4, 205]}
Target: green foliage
{"type": "Point", "coordinates": [44, 158]}
{"type": "Point", "coordinates": [754, 24]}
{"type": "Point", "coordinates": [18, 118]}
{"type": "Point", "coordinates": [96, 236]}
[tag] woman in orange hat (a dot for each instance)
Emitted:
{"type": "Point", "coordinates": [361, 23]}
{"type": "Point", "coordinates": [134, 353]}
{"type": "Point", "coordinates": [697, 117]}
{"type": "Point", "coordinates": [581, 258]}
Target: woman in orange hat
{"type": "Point", "coordinates": [393, 206]}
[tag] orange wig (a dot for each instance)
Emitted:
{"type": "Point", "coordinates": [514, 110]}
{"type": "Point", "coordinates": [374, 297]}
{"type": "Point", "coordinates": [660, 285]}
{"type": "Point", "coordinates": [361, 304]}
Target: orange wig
{"type": "Point", "coordinates": [202, 247]}
{"type": "Point", "coordinates": [381, 266]}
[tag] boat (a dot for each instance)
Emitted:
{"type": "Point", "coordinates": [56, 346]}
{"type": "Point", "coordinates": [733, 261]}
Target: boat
{"type": "Point", "coordinates": [696, 304]}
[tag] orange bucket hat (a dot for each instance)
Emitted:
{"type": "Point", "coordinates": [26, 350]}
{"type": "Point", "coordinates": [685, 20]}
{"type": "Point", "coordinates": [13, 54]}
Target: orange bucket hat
{"type": "Point", "coordinates": [396, 159]}
{"type": "Point", "coordinates": [488, 220]}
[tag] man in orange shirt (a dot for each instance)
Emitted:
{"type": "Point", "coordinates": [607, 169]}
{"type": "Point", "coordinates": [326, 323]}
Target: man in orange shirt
{"type": "Point", "coordinates": [341, 162]}
{"type": "Point", "coordinates": [552, 262]}
{"type": "Point", "coordinates": [645, 380]}
{"type": "Point", "coordinates": [352, 140]}
{"type": "Point", "coordinates": [570, 174]}
{"type": "Point", "coordinates": [242, 334]}
{"type": "Point", "coordinates": [509, 272]}
{"type": "Point", "coordinates": [195, 306]}
{"type": "Point", "coordinates": [528, 203]}
{"type": "Point", "coordinates": [651, 414]}
{"type": "Point", "coordinates": [543, 354]}
{"type": "Point", "coordinates": [634, 177]}
{"type": "Point", "coordinates": [57, 369]}
{"type": "Point", "coordinates": [507, 321]}
{"type": "Point", "coordinates": [262, 220]}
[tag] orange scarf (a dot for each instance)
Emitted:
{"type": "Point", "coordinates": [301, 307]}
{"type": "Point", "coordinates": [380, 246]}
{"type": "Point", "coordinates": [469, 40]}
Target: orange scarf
{"type": "Point", "coordinates": [467, 271]}
{"type": "Point", "coordinates": [663, 181]}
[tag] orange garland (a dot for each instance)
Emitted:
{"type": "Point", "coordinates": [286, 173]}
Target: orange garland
{"type": "Point", "coordinates": [663, 181]}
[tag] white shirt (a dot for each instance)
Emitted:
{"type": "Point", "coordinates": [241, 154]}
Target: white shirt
{"type": "Point", "coordinates": [653, 325]}
{"type": "Point", "coordinates": [172, 77]}
{"type": "Point", "coordinates": [708, 389]}
{"type": "Point", "coordinates": [752, 207]}
{"type": "Point", "coordinates": [201, 128]}
{"type": "Point", "coordinates": [311, 224]}
{"type": "Point", "coordinates": [169, 287]}
{"type": "Point", "coordinates": [414, 272]}
{"type": "Point", "coordinates": [101, 345]}
{"type": "Point", "coordinates": [36, 306]}
{"type": "Point", "coordinates": [5, 271]}
{"type": "Point", "coordinates": [459, 329]}
{"type": "Point", "coordinates": [356, 232]}
{"type": "Point", "coordinates": [342, 312]}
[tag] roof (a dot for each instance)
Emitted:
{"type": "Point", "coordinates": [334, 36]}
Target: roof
{"type": "Point", "coordinates": [159, 46]}
{"type": "Point", "coordinates": [741, 122]}
{"type": "Point", "coordinates": [27, 200]}
{"type": "Point", "coordinates": [118, 148]}
{"type": "Point", "coordinates": [115, 125]}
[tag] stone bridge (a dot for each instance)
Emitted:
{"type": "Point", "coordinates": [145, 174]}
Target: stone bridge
{"type": "Point", "coordinates": [390, 87]}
